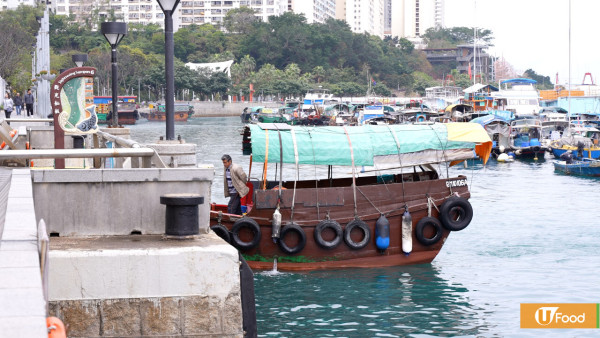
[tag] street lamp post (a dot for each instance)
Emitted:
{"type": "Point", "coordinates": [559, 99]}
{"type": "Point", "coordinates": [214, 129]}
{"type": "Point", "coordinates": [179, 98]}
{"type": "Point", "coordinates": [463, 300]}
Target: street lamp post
{"type": "Point", "coordinates": [114, 33]}
{"type": "Point", "coordinates": [168, 7]}
{"type": "Point", "coordinates": [79, 59]}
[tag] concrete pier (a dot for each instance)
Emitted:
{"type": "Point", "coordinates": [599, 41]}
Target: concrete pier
{"type": "Point", "coordinates": [23, 307]}
{"type": "Point", "coordinates": [140, 285]}
{"type": "Point", "coordinates": [109, 270]}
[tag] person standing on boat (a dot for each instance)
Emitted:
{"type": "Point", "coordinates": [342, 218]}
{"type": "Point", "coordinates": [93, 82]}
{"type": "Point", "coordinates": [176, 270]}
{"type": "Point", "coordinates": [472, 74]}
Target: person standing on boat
{"type": "Point", "coordinates": [234, 183]}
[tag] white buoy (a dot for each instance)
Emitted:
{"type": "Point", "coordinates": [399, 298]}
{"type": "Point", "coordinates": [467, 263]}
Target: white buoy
{"type": "Point", "coordinates": [276, 225]}
{"type": "Point", "coordinates": [406, 233]}
{"type": "Point", "coordinates": [505, 158]}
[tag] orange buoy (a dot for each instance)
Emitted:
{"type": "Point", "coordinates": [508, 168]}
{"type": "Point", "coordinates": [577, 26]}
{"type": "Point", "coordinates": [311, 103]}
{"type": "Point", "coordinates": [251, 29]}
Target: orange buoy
{"type": "Point", "coordinates": [13, 133]}
{"type": "Point", "coordinates": [3, 145]}
{"type": "Point", "coordinates": [56, 328]}
{"type": "Point", "coordinates": [27, 145]}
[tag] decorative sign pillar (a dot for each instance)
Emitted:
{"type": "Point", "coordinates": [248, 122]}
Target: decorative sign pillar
{"type": "Point", "coordinates": [73, 109]}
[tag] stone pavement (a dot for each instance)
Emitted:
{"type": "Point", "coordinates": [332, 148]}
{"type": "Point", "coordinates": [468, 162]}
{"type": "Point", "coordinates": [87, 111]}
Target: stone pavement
{"type": "Point", "coordinates": [22, 304]}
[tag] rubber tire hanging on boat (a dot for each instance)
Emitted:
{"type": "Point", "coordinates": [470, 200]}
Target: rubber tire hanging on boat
{"type": "Point", "coordinates": [357, 223]}
{"type": "Point", "coordinates": [222, 232]}
{"type": "Point", "coordinates": [422, 224]}
{"type": "Point", "coordinates": [245, 222]}
{"type": "Point", "coordinates": [456, 213]}
{"type": "Point", "coordinates": [328, 224]}
{"type": "Point", "coordinates": [301, 239]}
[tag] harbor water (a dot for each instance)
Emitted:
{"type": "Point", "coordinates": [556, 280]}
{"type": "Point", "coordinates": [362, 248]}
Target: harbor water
{"type": "Point", "coordinates": [534, 238]}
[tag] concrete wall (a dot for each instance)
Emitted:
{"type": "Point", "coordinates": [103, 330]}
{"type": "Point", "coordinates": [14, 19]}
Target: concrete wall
{"type": "Point", "coordinates": [218, 108]}
{"type": "Point", "coordinates": [80, 202]}
{"type": "Point", "coordinates": [130, 286]}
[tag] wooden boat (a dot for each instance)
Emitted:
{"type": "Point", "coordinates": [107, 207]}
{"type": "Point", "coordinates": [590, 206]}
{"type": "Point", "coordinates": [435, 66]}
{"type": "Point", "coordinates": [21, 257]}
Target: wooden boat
{"type": "Point", "coordinates": [352, 220]}
{"type": "Point", "coordinates": [182, 111]}
{"type": "Point", "coordinates": [128, 113]}
{"type": "Point", "coordinates": [585, 167]}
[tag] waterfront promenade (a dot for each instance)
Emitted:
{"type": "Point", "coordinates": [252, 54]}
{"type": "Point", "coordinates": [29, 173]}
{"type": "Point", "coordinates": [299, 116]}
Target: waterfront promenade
{"type": "Point", "coordinates": [23, 310]}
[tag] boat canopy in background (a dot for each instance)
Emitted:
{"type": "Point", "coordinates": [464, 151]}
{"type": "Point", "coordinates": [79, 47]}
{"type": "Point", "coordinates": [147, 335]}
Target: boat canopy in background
{"type": "Point", "coordinates": [370, 145]}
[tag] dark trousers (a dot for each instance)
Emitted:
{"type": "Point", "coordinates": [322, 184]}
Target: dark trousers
{"type": "Point", "coordinates": [234, 206]}
{"type": "Point", "coordinates": [29, 107]}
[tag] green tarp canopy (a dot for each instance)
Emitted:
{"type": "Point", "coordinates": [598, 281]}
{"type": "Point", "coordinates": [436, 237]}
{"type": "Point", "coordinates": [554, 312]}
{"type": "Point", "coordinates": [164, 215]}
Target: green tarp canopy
{"type": "Point", "coordinates": [332, 145]}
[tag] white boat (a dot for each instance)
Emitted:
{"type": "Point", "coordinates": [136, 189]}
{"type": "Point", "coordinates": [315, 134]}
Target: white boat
{"type": "Point", "coordinates": [521, 97]}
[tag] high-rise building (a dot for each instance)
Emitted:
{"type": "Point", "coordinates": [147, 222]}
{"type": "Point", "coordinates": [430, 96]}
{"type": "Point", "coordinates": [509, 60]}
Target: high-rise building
{"type": "Point", "coordinates": [148, 11]}
{"type": "Point", "coordinates": [12, 4]}
{"type": "Point", "coordinates": [412, 18]}
{"type": "Point", "coordinates": [363, 16]}
{"type": "Point", "coordinates": [313, 10]}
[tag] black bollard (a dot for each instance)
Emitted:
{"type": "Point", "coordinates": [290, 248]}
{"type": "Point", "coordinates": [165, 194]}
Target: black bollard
{"type": "Point", "coordinates": [78, 141]}
{"type": "Point", "coordinates": [181, 217]}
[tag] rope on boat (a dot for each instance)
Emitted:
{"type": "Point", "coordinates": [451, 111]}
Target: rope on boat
{"type": "Point", "coordinates": [280, 167]}
{"type": "Point", "coordinates": [372, 204]}
{"type": "Point", "coordinates": [443, 146]}
{"type": "Point", "coordinates": [264, 184]}
{"type": "Point", "coordinates": [297, 173]}
{"type": "Point", "coordinates": [353, 171]}
{"type": "Point", "coordinates": [399, 160]}
{"type": "Point", "coordinates": [315, 166]}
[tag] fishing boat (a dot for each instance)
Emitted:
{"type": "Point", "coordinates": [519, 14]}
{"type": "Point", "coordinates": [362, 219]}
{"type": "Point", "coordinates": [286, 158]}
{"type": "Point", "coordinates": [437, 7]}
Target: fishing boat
{"type": "Point", "coordinates": [182, 111]}
{"type": "Point", "coordinates": [498, 129]}
{"type": "Point", "coordinates": [584, 167]}
{"type": "Point", "coordinates": [400, 212]}
{"type": "Point", "coordinates": [525, 138]}
{"type": "Point", "coordinates": [582, 140]}
{"type": "Point", "coordinates": [128, 113]}
{"type": "Point", "coordinates": [519, 96]}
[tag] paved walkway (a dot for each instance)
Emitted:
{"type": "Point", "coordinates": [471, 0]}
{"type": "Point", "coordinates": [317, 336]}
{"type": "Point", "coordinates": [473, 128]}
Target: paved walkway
{"type": "Point", "coordinates": [22, 304]}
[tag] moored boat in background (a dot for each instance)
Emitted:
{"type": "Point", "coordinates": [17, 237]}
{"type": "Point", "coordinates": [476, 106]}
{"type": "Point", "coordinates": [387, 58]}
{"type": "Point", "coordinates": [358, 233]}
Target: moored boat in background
{"type": "Point", "coordinates": [584, 167]}
{"type": "Point", "coordinates": [182, 111]}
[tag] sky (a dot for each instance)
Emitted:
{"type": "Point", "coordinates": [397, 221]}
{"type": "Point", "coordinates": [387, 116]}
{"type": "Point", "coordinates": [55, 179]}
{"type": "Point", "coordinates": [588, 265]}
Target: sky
{"type": "Point", "coordinates": [535, 34]}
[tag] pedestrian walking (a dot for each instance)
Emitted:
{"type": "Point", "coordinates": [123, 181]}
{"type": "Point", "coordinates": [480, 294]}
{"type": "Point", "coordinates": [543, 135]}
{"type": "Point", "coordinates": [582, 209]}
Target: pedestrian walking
{"type": "Point", "coordinates": [18, 101]}
{"type": "Point", "coordinates": [8, 105]}
{"type": "Point", "coordinates": [29, 102]}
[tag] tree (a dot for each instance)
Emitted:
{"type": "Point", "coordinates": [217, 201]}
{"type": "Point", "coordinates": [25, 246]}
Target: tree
{"type": "Point", "coordinates": [239, 20]}
{"type": "Point", "coordinates": [423, 81]}
{"type": "Point", "coordinates": [18, 28]}
{"type": "Point", "coordinates": [439, 37]}
{"type": "Point", "coordinates": [543, 82]}
{"type": "Point", "coordinates": [218, 84]}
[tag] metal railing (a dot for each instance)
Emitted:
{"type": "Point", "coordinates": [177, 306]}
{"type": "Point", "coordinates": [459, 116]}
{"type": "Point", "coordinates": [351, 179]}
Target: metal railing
{"type": "Point", "coordinates": [141, 156]}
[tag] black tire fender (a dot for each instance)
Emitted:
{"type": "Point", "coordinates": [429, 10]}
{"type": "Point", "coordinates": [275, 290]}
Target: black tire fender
{"type": "Point", "coordinates": [357, 223]}
{"type": "Point", "coordinates": [245, 222]}
{"type": "Point", "coordinates": [425, 222]}
{"type": "Point", "coordinates": [328, 224]}
{"type": "Point", "coordinates": [222, 232]}
{"type": "Point", "coordinates": [456, 213]}
{"type": "Point", "coordinates": [289, 228]}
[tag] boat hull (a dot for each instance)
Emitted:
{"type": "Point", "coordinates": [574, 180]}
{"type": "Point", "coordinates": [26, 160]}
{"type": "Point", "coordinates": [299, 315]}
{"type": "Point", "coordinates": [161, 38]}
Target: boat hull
{"type": "Point", "coordinates": [314, 205]}
{"type": "Point", "coordinates": [160, 117]}
{"type": "Point", "coordinates": [579, 168]}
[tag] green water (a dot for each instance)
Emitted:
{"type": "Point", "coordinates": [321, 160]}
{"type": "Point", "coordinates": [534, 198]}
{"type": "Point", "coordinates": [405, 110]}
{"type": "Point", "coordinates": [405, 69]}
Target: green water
{"type": "Point", "coordinates": [534, 238]}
